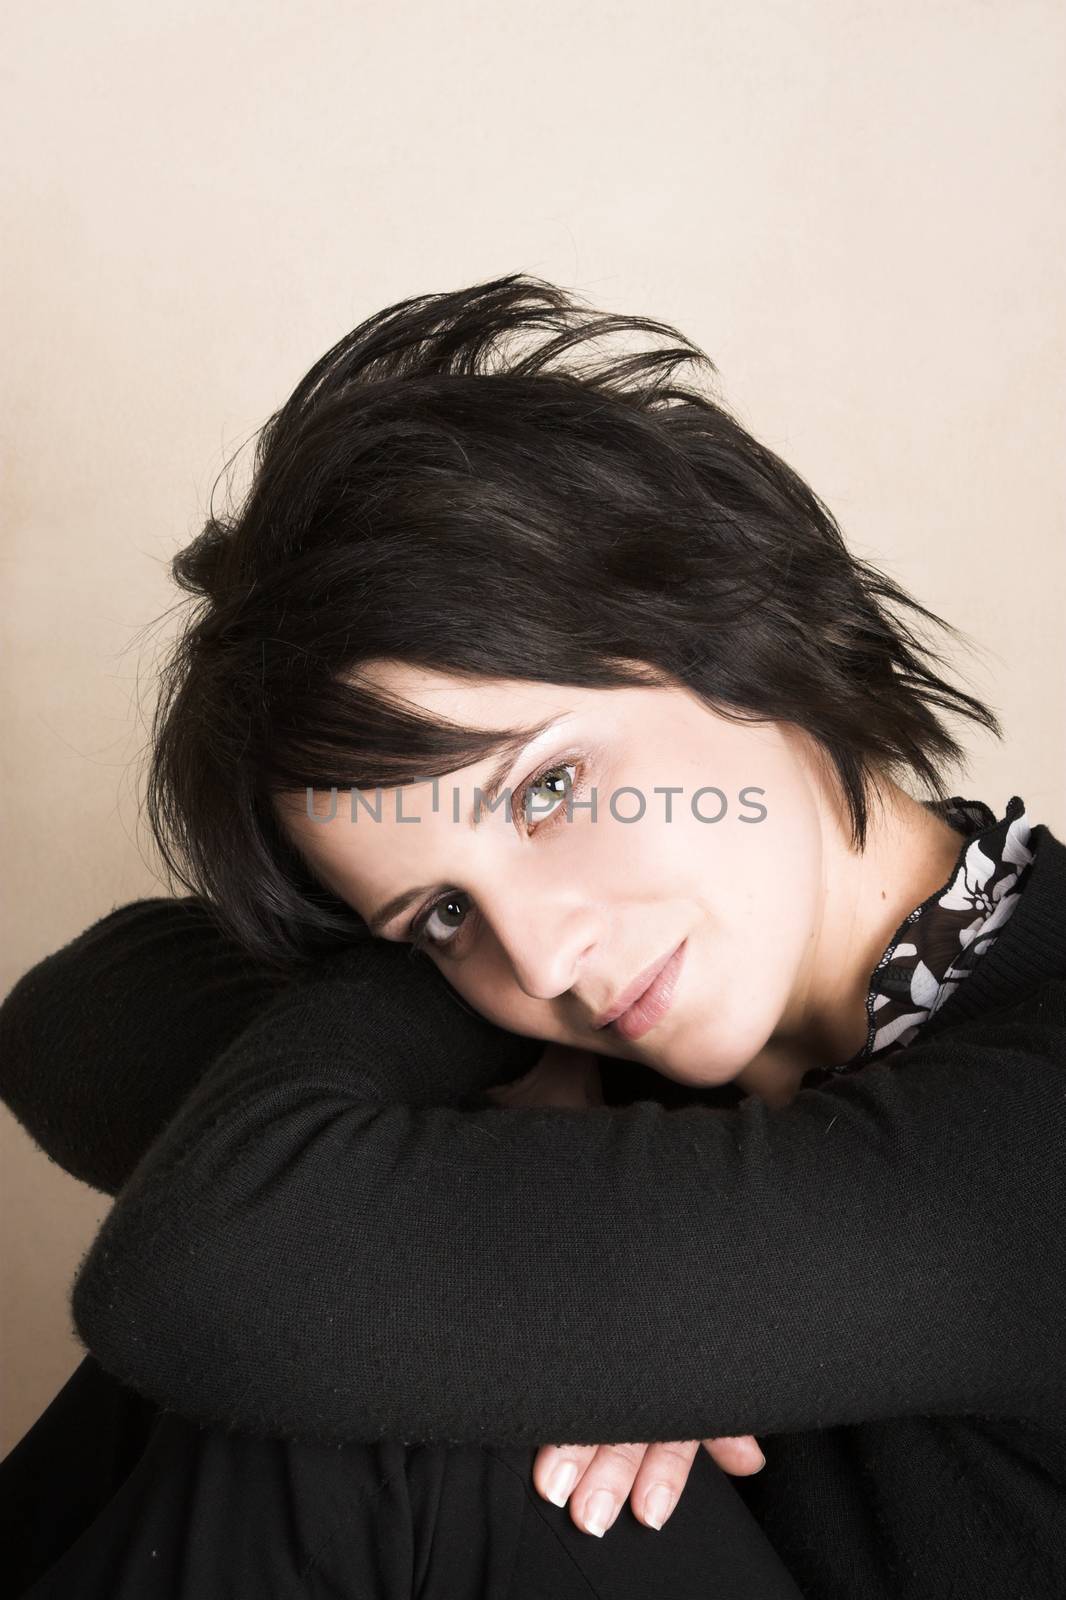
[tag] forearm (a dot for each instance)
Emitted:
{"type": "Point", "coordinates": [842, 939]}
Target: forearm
{"type": "Point", "coordinates": [348, 1259]}
{"type": "Point", "coordinates": [103, 1039]}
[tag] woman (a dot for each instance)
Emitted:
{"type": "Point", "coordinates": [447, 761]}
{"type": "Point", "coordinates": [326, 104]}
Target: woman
{"type": "Point", "coordinates": [718, 1094]}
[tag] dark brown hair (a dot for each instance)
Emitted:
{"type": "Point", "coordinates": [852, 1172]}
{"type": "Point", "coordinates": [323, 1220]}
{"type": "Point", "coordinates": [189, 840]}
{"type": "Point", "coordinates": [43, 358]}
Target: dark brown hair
{"type": "Point", "coordinates": [434, 494]}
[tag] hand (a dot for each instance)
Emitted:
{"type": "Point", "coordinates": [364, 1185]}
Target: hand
{"type": "Point", "coordinates": [564, 1076]}
{"type": "Point", "coordinates": [598, 1478]}
{"type": "Point", "coordinates": [561, 1076]}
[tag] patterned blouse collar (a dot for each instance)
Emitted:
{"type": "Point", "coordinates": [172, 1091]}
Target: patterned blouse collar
{"type": "Point", "coordinates": [938, 944]}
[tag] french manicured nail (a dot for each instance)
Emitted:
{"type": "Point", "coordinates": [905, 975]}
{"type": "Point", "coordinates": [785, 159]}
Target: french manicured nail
{"type": "Point", "coordinates": [562, 1480]}
{"type": "Point", "coordinates": [600, 1512]}
{"type": "Point", "coordinates": [658, 1504]}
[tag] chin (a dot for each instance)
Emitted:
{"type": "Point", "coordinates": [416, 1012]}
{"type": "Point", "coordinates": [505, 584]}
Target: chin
{"type": "Point", "coordinates": [695, 1068]}
{"type": "Point", "coordinates": [708, 1060]}
{"type": "Point", "coordinates": [712, 1078]}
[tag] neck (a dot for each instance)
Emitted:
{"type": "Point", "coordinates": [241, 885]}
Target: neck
{"type": "Point", "coordinates": [910, 852]}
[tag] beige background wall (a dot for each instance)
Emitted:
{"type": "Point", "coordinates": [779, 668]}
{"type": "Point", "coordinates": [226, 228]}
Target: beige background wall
{"type": "Point", "coordinates": [857, 210]}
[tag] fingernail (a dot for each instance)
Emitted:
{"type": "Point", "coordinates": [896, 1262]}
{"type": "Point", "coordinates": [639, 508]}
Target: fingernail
{"type": "Point", "coordinates": [758, 1458]}
{"type": "Point", "coordinates": [561, 1482]}
{"type": "Point", "coordinates": [658, 1504]}
{"type": "Point", "coordinates": [600, 1513]}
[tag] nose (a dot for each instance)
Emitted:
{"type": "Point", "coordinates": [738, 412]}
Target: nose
{"type": "Point", "coordinates": [547, 931]}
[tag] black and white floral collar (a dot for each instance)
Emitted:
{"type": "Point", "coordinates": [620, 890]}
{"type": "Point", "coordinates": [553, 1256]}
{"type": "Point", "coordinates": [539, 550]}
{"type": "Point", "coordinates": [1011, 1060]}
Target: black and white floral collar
{"type": "Point", "coordinates": [939, 943]}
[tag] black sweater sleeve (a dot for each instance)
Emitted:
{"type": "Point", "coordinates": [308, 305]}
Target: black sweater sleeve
{"type": "Point", "coordinates": [102, 1040]}
{"type": "Point", "coordinates": [316, 1247]}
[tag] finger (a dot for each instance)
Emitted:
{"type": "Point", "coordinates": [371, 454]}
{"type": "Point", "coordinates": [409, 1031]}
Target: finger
{"type": "Point", "coordinates": [736, 1453]}
{"type": "Point", "coordinates": [661, 1479]}
{"type": "Point", "coordinates": [557, 1468]}
{"type": "Point", "coordinates": [604, 1486]}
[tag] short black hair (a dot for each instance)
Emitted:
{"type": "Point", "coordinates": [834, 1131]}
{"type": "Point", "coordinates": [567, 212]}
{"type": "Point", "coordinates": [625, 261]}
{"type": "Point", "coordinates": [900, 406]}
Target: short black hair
{"type": "Point", "coordinates": [441, 490]}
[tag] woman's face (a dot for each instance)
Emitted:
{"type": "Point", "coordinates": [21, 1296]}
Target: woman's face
{"type": "Point", "coordinates": [555, 918]}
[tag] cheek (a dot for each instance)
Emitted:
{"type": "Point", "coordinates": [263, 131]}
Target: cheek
{"type": "Point", "coordinates": [489, 988]}
{"type": "Point", "coordinates": [770, 944]}
{"type": "Point", "coordinates": [759, 887]}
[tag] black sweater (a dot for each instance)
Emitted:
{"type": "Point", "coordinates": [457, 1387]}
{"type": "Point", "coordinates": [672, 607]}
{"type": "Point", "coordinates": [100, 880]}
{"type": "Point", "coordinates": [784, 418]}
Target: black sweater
{"type": "Point", "coordinates": [324, 1231]}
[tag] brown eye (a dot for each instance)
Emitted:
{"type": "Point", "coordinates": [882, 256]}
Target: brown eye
{"type": "Point", "coordinates": [537, 796]}
{"type": "Point", "coordinates": [440, 925]}
{"type": "Point", "coordinates": [451, 908]}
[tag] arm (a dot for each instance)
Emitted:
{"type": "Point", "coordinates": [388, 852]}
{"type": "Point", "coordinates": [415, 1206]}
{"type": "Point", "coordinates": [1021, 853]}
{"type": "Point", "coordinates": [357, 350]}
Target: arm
{"type": "Point", "coordinates": [103, 1039]}
{"type": "Point", "coordinates": [316, 1247]}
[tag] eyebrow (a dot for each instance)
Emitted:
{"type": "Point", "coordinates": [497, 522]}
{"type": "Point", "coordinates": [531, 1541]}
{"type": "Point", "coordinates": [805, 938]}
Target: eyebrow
{"type": "Point", "coordinates": [512, 750]}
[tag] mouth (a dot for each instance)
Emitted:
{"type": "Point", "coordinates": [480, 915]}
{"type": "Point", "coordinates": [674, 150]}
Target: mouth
{"type": "Point", "coordinates": [653, 1001]}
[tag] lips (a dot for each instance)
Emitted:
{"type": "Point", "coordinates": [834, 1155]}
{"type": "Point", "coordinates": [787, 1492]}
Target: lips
{"type": "Point", "coordinates": [655, 1002]}
{"type": "Point", "coordinates": [636, 990]}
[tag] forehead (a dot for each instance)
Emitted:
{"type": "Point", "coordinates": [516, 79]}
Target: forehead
{"type": "Point", "coordinates": [474, 702]}
{"type": "Point", "coordinates": [360, 860]}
